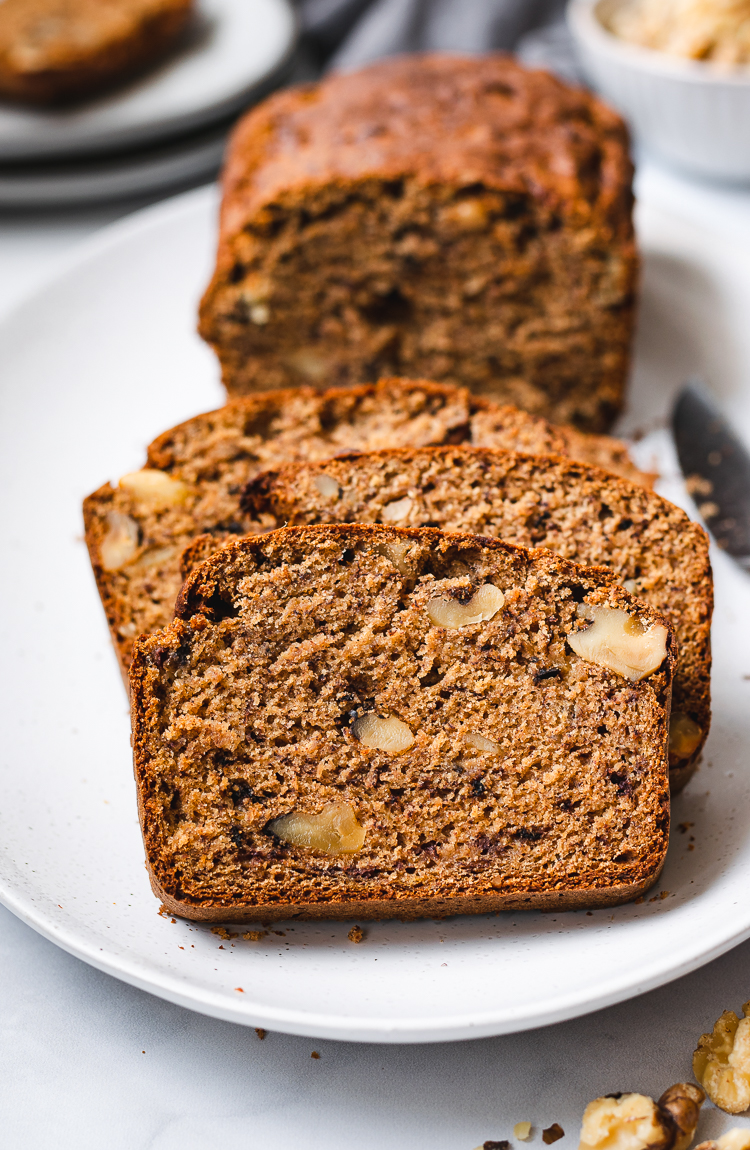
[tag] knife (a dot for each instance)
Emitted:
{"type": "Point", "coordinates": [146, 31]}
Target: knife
{"type": "Point", "coordinates": [716, 466]}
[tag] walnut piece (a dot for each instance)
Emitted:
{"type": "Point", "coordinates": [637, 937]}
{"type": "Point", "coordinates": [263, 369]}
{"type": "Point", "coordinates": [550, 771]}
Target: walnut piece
{"type": "Point", "coordinates": [682, 1103]}
{"type": "Point", "coordinates": [382, 734]}
{"type": "Point", "coordinates": [120, 543]}
{"type": "Point", "coordinates": [397, 511]}
{"type": "Point", "coordinates": [154, 557]}
{"type": "Point", "coordinates": [469, 215]}
{"type": "Point", "coordinates": [481, 743]}
{"type": "Point", "coordinates": [153, 490]}
{"type": "Point", "coordinates": [735, 1139]}
{"type": "Point", "coordinates": [636, 1122]}
{"type": "Point", "coordinates": [620, 641]}
{"type": "Point", "coordinates": [451, 613]}
{"type": "Point", "coordinates": [335, 831]}
{"type": "Point", "coordinates": [684, 735]}
{"type": "Point", "coordinates": [396, 550]}
{"type": "Point", "coordinates": [260, 313]}
{"type": "Point", "coordinates": [327, 486]}
{"type": "Point", "coordinates": [721, 1062]}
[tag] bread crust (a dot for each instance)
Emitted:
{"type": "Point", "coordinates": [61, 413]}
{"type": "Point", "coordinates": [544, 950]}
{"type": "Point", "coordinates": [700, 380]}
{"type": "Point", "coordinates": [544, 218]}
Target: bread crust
{"type": "Point", "coordinates": [52, 51]}
{"type": "Point", "coordinates": [196, 857]}
{"type": "Point", "coordinates": [348, 204]}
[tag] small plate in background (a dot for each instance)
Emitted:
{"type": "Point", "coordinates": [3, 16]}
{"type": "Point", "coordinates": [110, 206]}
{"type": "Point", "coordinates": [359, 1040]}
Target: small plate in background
{"type": "Point", "coordinates": [231, 50]}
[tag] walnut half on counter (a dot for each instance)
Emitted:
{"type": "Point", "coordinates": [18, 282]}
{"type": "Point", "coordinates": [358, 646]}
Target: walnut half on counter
{"type": "Point", "coordinates": [636, 1122]}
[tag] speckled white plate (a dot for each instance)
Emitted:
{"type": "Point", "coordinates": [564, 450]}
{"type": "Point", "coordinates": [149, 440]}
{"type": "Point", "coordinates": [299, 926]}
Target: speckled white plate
{"type": "Point", "coordinates": [92, 368]}
{"type": "Point", "coordinates": [231, 47]}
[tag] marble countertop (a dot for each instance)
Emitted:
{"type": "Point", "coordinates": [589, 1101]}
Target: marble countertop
{"type": "Point", "coordinates": [88, 1062]}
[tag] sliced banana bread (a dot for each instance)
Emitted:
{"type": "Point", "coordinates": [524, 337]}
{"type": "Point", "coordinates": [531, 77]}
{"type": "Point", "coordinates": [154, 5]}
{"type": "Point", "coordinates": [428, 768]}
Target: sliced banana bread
{"type": "Point", "coordinates": [56, 50]}
{"type": "Point", "coordinates": [367, 721]}
{"type": "Point", "coordinates": [578, 511]}
{"type": "Point", "coordinates": [459, 218]}
{"type": "Point", "coordinates": [197, 473]}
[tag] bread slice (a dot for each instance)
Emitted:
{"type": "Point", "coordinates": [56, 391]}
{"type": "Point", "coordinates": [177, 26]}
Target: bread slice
{"type": "Point", "coordinates": [366, 721]}
{"type": "Point", "coordinates": [578, 511]}
{"type": "Point", "coordinates": [56, 50]}
{"type": "Point", "coordinates": [197, 473]}
{"type": "Point", "coordinates": [455, 217]}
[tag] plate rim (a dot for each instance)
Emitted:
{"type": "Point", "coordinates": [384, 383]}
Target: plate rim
{"type": "Point", "coordinates": [562, 1006]}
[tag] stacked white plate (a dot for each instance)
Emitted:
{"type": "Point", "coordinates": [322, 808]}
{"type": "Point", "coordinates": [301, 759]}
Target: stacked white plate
{"type": "Point", "coordinates": [162, 130]}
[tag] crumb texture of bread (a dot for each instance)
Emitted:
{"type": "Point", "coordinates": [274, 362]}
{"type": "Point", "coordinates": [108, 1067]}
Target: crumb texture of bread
{"type": "Point", "coordinates": [577, 511]}
{"type": "Point", "coordinates": [479, 766]}
{"type": "Point", "coordinates": [52, 51]}
{"type": "Point", "coordinates": [136, 545]}
{"type": "Point", "coordinates": [459, 219]}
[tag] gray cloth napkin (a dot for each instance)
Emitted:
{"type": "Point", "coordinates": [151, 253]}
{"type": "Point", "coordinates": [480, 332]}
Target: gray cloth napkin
{"type": "Point", "coordinates": [350, 33]}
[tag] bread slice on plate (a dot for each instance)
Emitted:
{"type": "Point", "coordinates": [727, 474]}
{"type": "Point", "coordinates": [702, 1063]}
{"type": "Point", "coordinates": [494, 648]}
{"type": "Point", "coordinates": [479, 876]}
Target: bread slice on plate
{"type": "Point", "coordinates": [197, 474]}
{"type": "Point", "coordinates": [579, 511]}
{"type": "Point", "coordinates": [370, 721]}
{"type": "Point", "coordinates": [52, 51]}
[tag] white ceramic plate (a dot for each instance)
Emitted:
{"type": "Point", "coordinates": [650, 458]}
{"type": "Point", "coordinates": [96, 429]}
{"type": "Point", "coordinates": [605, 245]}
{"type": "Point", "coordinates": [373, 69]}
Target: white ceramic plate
{"type": "Point", "coordinates": [232, 48]}
{"type": "Point", "coordinates": [164, 168]}
{"type": "Point", "coordinates": [92, 368]}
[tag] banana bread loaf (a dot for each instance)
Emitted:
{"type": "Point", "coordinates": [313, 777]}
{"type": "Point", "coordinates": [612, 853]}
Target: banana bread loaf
{"type": "Point", "coordinates": [56, 50]}
{"type": "Point", "coordinates": [373, 722]}
{"type": "Point", "coordinates": [458, 218]}
{"type": "Point", "coordinates": [196, 475]}
{"type": "Point", "coordinates": [580, 512]}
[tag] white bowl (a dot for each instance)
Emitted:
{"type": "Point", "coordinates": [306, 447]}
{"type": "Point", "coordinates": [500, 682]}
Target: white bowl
{"type": "Point", "coordinates": [692, 113]}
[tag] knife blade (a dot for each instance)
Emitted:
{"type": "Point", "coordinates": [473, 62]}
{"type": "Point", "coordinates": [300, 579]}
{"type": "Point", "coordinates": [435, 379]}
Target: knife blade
{"type": "Point", "coordinates": [716, 466]}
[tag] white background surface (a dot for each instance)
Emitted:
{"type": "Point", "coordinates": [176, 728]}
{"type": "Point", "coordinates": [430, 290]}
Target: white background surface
{"type": "Point", "coordinates": [71, 1064]}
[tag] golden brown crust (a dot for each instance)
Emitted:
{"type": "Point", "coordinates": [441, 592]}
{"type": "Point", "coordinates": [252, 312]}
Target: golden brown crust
{"type": "Point", "coordinates": [57, 50]}
{"type": "Point", "coordinates": [460, 218]}
{"type": "Point", "coordinates": [578, 511]}
{"type": "Point", "coordinates": [242, 712]}
{"type": "Point", "coordinates": [217, 454]}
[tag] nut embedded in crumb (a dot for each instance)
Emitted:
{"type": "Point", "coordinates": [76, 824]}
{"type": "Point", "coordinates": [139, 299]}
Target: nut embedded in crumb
{"type": "Point", "coordinates": [153, 490]}
{"type": "Point", "coordinates": [620, 641]}
{"type": "Point", "coordinates": [327, 486]}
{"type": "Point", "coordinates": [397, 511]}
{"type": "Point", "coordinates": [684, 736]}
{"type": "Point", "coordinates": [396, 550]}
{"type": "Point", "coordinates": [334, 831]}
{"type": "Point", "coordinates": [522, 1131]}
{"type": "Point", "coordinates": [356, 934]}
{"type": "Point", "coordinates": [120, 543]}
{"type": "Point", "coordinates": [552, 1133]}
{"type": "Point", "coordinates": [260, 314]}
{"type": "Point", "coordinates": [382, 733]}
{"type": "Point", "coordinates": [452, 614]}
{"type": "Point", "coordinates": [721, 1062]}
{"type": "Point", "coordinates": [481, 743]}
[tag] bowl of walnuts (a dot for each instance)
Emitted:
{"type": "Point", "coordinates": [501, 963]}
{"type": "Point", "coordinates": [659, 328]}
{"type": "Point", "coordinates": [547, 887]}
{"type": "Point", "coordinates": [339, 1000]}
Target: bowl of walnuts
{"type": "Point", "coordinates": [678, 71]}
